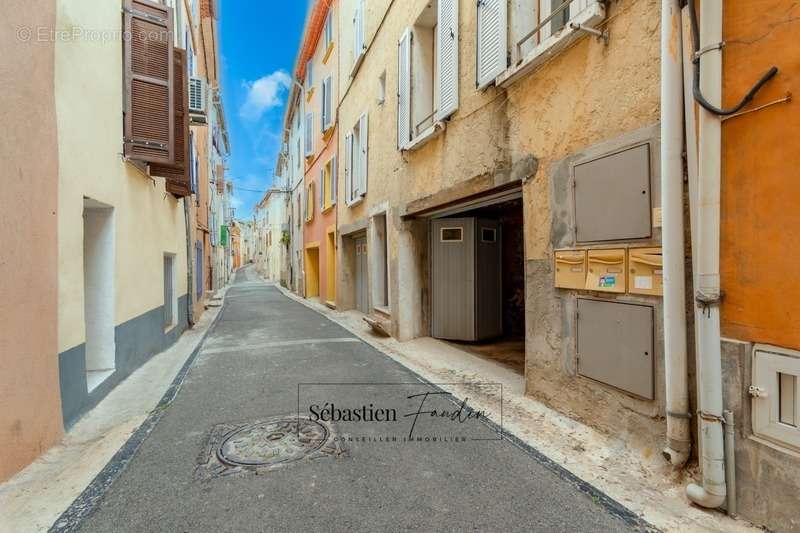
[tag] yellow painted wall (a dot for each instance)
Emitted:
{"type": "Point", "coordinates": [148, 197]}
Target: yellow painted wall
{"type": "Point", "coordinates": [586, 94]}
{"type": "Point", "coordinates": [149, 222]}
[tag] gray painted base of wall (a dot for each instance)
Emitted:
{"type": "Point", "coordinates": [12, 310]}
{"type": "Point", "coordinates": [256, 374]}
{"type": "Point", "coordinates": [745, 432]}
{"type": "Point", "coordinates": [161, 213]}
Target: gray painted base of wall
{"type": "Point", "coordinates": [137, 340]}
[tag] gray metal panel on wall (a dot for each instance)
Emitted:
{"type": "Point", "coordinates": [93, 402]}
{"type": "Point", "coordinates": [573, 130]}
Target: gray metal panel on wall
{"type": "Point", "coordinates": [489, 282]}
{"type": "Point", "coordinates": [612, 196]}
{"type": "Point", "coordinates": [615, 345]}
{"type": "Point", "coordinates": [453, 278]}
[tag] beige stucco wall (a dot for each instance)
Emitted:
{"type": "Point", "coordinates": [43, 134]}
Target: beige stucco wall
{"type": "Point", "coordinates": [148, 221]}
{"type": "Point", "coordinates": [30, 418]}
{"type": "Point", "coordinates": [587, 94]}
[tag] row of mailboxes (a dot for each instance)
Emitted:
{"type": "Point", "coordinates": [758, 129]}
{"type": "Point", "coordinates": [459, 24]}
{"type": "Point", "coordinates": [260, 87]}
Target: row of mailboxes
{"type": "Point", "coordinates": [618, 270]}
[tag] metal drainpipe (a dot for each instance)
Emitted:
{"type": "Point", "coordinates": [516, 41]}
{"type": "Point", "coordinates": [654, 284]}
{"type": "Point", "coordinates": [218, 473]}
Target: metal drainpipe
{"type": "Point", "coordinates": [713, 491]}
{"type": "Point", "coordinates": [679, 442]}
{"type": "Point", "coordinates": [189, 265]}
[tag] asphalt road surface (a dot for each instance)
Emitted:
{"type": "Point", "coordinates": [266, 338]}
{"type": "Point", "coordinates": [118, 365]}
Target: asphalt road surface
{"type": "Point", "coordinates": [269, 357]}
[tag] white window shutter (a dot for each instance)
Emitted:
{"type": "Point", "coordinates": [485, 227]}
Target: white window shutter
{"type": "Point", "coordinates": [309, 133]}
{"type": "Point", "coordinates": [447, 51]}
{"type": "Point", "coordinates": [358, 31]}
{"type": "Point", "coordinates": [491, 40]}
{"type": "Point", "coordinates": [404, 90]}
{"type": "Point", "coordinates": [321, 189]}
{"type": "Point", "coordinates": [334, 180]}
{"type": "Point", "coordinates": [348, 167]}
{"type": "Point", "coordinates": [363, 151]}
{"type": "Point", "coordinates": [324, 111]}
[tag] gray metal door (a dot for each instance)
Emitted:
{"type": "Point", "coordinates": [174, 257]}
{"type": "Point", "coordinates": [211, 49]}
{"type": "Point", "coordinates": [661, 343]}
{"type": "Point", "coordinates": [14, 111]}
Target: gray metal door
{"type": "Point", "coordinates": [453, 278]}
{"type": "Point", "coordinates": [362, 300]}
{"type": "Point", "coordinates": [615, 345]}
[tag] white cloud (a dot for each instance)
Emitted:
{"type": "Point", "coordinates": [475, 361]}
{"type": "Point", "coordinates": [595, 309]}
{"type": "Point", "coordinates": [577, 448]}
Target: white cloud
{"type": "Point", "coordinates": [264, 94]}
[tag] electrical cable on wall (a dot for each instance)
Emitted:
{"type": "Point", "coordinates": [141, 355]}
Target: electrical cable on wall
{"type": "Point", "coordinates": [696, 53]}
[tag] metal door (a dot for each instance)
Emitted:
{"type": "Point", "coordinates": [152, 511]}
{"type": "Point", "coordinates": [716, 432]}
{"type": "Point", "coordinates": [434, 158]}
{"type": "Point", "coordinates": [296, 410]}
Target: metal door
{"type": "Point", "coordinates": [453, 278]}
{"type": "Point", "coordinates": [488, 280]}
{"type": "Point", "coordinates": [362, 301]}
{"type": "Point", "coordinates": [615, 345]}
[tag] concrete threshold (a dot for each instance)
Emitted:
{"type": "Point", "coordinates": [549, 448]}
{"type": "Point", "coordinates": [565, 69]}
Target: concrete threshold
{"type": "Point", "coordinates": [638, 479]}
{"type": "Point", "coordinates": [32, 500]}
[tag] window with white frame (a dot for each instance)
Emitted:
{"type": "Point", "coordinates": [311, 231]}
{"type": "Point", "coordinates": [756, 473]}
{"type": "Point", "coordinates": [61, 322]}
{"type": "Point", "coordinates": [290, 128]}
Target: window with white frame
{"type": "Point", "coordinates": [327, 34]}
{"type": "Point", "coordinates": [309, 133]}
{"type": "Point", "coordinates": [776, 395]}
{"type": "Point", "coordinates": [427, 72]}
{"type": "Point", "coordinates": [356, 157]}
{"type": "Point", "coordinates": [516, 34]}
{"type": "Point", "coordinates": [327, 103]}
{"type": "Point", "coordinates": [359, 34]}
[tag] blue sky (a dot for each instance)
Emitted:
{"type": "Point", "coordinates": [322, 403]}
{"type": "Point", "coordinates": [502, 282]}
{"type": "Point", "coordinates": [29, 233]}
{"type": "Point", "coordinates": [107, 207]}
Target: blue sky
{"type": "Point", "coordinates": [259, 41]}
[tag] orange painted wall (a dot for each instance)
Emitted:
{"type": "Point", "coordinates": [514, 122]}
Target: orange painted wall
{"type": "Point", "coordinates": [30, 400]}
{"type": "Point", "coordinates": [315, 231]}
{"type": "Point", "coordinates": [760, 245]}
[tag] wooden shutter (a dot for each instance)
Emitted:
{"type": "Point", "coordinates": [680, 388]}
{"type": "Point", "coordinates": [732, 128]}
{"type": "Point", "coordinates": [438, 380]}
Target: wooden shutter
{"type": "Point", "coordinates": [177, 175]}
{"type": "Point", "coordinates": [348, 168]}
{"type": "Point", "coordinates": [447, 51]}
{"type": "Point", "coordinates": [404, 90]}
{"type": "Point", "coordinates": [358, 31]}
{"type": "Point", "coordinates": [363, 137]}
{"type": "Point", "coordinates": [491, 40]}
{"type": "Point", "coordinates": [149, 89]}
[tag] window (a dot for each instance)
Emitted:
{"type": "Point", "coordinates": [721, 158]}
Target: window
{"type": "Point", "coordinates": [327, 189]}
{"type": "Point", "coordinates": [776, 396]}
{"type": "Point", "coordinates": [309, 133]}
{"type": "Point", "coordinates": [488, 235]}
{"type": "Point", "coordinates": [309, 215]}
{"type": "Point", "coordinates": [299, 155]}
{"type": "Point", "coordinates": [427, 72]}
{"type": "Point", "coordinates": [523, 30]}
{"type": "Point", "coordinates": [309, 77]}
{"type": "Point", "coordinates": [327, 104]}
{"type": "Point", "coordinates": [327, 38]}
{"type": "Point", "coordinates": [356, 157]}
{"type": "Point", "coordinates": [359, 46]}
{"type": "Point", "coordinates": [452, 235]}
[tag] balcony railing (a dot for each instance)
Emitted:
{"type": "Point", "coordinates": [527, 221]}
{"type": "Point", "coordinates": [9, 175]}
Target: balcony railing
{"type": "Point", "coordinates": [562, 11]}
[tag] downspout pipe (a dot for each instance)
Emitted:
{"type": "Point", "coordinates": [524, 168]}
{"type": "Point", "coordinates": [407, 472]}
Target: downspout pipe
{"type": "Point", "coordinates": [679, 441]}
{"type": "Point", "coordinates": [713, 490]}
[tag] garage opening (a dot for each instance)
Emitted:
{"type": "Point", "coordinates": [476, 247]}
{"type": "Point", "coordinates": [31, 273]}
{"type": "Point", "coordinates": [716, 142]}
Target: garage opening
{"type": "Point", "coordinates": [478, 280]}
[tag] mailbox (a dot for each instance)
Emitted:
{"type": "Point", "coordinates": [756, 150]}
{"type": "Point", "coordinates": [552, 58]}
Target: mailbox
{"type": "Point", "coordinates": [570, 269]}
{"type": "Point", "coordinates": [606, 270]}
{"type": "Point", "coordinates": [646, 268]}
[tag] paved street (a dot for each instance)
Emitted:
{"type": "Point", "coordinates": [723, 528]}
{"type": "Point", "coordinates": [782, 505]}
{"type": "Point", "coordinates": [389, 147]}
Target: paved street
{"type": "Point", "coordinates": [249, 369]}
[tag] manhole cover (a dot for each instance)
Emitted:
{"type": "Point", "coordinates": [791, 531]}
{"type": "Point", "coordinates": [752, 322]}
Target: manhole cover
{"type": "Point", "coordinates": [263, 445]}
{"type": "Point", "coordinates": [269, 443]}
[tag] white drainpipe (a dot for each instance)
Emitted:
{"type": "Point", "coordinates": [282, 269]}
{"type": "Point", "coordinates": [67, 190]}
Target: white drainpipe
{"type": "Point", "coordinates": [679, 440]}
{"type": "Point", "coordinates": [712, 493]}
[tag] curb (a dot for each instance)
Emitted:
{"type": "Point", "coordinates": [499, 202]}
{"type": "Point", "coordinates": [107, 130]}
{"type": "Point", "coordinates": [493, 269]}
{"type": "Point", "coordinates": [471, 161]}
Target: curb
{"type": "Point", "coordinates": [85, 504]}
{"type": "Point", "coordinates": [609, 504]}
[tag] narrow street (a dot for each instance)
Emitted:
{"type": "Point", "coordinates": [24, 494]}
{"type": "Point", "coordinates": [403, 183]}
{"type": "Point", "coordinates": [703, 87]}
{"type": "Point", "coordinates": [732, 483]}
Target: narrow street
{"type": "Point", "coordinates": [249, 368]}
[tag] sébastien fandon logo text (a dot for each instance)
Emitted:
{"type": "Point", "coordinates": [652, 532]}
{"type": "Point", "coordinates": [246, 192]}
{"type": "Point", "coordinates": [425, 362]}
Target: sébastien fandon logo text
{"type": "Point", "coordinates": [329, 412]}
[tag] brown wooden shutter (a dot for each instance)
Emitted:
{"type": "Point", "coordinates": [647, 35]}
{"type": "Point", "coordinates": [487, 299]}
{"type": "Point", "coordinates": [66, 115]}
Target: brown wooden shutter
{"type": "Point", "coordinates": [149, 74]}
{"type": "Point", "coordinates": [177, 174]}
